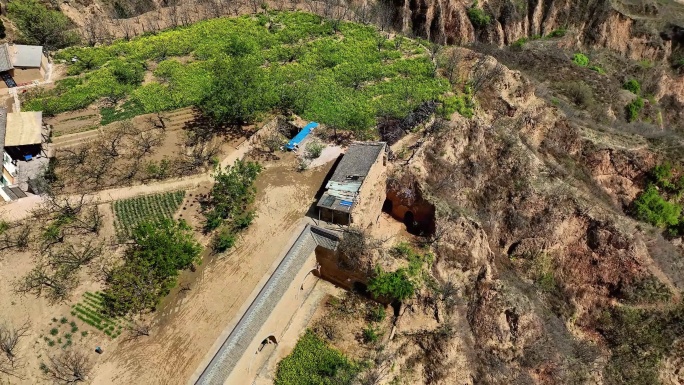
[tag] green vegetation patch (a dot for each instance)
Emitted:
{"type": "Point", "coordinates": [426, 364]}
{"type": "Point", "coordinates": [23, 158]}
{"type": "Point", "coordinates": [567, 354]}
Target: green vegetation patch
{"type": "Point", "coordinates": [638, 340]}
{"type": "Point", "coordinates": [477, 16]}
{"type": "Point", "coordinates": [313, 362]}
{"type": "Point", "coordinates": [159, 250]}
{"type": "Point", "coordinates": [91, 310]}
{"type": "Point", "coordinates": [131, 212]}
{"type": "Point", "coordinates": [633, 109]}
{"type": "Point", "coordinates": [236, 69]}
{"type": "Point", "coordinates": [660, 204]}
{"type": "Point", "coordinates": [402, 283]}
{"type": "Point", "coordinates": [40, 26]}
{"type": "Point", "coordinates": [580, 59]}
{"type": "Point", "coordinates": [231, 197]}
{"type": "Point", "coordinates": [633, 86]}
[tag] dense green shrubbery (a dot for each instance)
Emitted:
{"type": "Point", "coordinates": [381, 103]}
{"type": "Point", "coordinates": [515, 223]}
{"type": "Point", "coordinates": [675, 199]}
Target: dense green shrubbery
{"type": "Point", "coordinates": [580, 59]}
{"type": "Point", "coordinates": [243, 67]}
{"type": "Point", "coordinates": [230, 197]}
{"type": "Point", "coordinates": [633, 86]}
{"type": "Point", "coordinates": [634, 108]}
{"type": "Point", "coordinates": [457, 103]}
{"type": "Point", "coordinates": [395, 285]}
{"type": "Point", "coordinates": [651, 207]}
{"type": "Point", "coordinates": [313, 362]}
{"type": "Point", "coordinates": [478, 16]}
{"type": "Point", "coordinates": [40, 26]}
{"type": "Point", "coordinates": [160, 249]}
{"type": "Point", "coordinates": [402, 283]}
{"type": "Point", "coordinates": [660, 203]}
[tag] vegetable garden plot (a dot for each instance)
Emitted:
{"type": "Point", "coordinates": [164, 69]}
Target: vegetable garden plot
{"type": "Point", "coordinates": [130, 212]}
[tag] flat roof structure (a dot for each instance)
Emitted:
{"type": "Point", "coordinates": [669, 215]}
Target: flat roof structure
{"type": "Point", "coordinates": [294, 142]}
{"type": "Point", "coordinates": [349, 175]}
{"type": "Point", "coordinates": [23, 128]}
{"type": "Point", "coordinates": [5, 59]}
{"type": "Point", "coordinates": [26, 55]}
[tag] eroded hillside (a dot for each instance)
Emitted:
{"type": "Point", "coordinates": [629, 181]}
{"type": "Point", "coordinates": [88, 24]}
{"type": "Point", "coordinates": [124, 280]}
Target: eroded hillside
{"type": "Point", "coordinates": [539, 273]}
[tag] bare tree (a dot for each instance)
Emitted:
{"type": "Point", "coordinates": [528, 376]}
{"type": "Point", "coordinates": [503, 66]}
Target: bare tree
{"type": "Point", "coordinates": [312, 5]}
{"type": "Point", "coordinates": [215, 7]}
{"type": "Point", "coordinates": [126, 27]}
{"type": "Point", "coordinates": [255, 4]}
{"type": "Point", "coordinates": [364, 13]}
{"type": "Point", "coordinates": [384, 12]}
{"type": "Point", "coordinates": [43, 281]}
{"type": "Point", "coordinates": [449, 63]}
{"type": "Point", "coordinates": [74, 157]}
{"type": "Point", "coordinates": [484, 73]}
{"type": "Point", "coordinates": [145, 142]}
{"type": "Point", "coordinates": [137, 329]}
{"type": "Point", "coordinates": [335, 11]}
{"type": "Point", "coordinates": [355, 248]}
{"type": "Point", "coordinates": [69, 367]}
{"type": "Point", "coordinates": [17, 236]}
{"type": "Point", "coordinates": [174, 16]}
{"type": "Point", "coordinates": [111, 142]}
{"type": "Point", "coordinates": [91, 30]}
{"type": "Point", "coordinates": [10, 336]}
{"type": "Point", "coordinates": [72, 257]}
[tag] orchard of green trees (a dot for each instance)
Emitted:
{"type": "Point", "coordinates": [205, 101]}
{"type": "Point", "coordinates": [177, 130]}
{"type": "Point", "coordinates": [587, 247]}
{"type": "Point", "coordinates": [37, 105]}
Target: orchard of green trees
{"type": "Point", "coordinates": [237, 69]}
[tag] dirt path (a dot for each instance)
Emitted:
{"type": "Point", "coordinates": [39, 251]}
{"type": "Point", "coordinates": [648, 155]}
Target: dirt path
{"type": "Point", "coordinates": [21, 209]}
{"type": "Point", "coordinates": [188, 326]}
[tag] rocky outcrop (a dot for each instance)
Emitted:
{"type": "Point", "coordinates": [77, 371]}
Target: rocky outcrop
{"type": "Point", "coordinates": [590, 23]}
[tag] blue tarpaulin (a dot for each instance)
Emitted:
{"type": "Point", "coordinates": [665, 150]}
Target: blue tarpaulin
{"type": "Point", "coordinates": [302, 134]}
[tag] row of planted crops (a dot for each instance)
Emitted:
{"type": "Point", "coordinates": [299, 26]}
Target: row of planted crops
{"type": "Point", "coordinates": [130, 212]}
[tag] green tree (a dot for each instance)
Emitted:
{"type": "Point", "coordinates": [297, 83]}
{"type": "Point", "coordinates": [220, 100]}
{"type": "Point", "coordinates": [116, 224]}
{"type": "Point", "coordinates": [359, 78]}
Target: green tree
{"type": "Point", "coordinates": [241, 90]}
{"type": "Point", "coordinates": [662, 175]}
{"type": "Point", "coordinates": [394, 285]}
{"type": "Point", "coordinates": [232, 194]}
{"type": "Point", "coordinates": [652, 208]}
{"type": "Point", "coordinates": [633, 86]}
{"type": "Point", "coordinates": [41, 26]}
{"type": "Point", "coordinates": [478, 16]}
{"type": "Point", "coordinates": [151, 265]}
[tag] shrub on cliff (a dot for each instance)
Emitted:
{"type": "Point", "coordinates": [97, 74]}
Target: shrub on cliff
{"type": "Point", "coordinates": [395, 285]}
{"type": "Point", "coordinates": [634, 108]}
{"type": "Point", "coordinates": [580, 59]}
{"type": "Point", "coordinates": [633, 86]}
{"type": "Point", "coordinates": [478, 16]}
{"type": "Point", "coordinates": [651, 207]}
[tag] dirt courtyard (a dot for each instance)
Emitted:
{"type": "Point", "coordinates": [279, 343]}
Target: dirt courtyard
{"type": "Point", "coordinates": [187, 325]}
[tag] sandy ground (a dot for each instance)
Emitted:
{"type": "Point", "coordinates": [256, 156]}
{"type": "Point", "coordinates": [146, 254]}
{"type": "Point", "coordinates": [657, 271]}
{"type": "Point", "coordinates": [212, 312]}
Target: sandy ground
{"type": "Point", "coordinates": [329, 154]}
{"type": "Point", "coordinates": [188, 325]}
